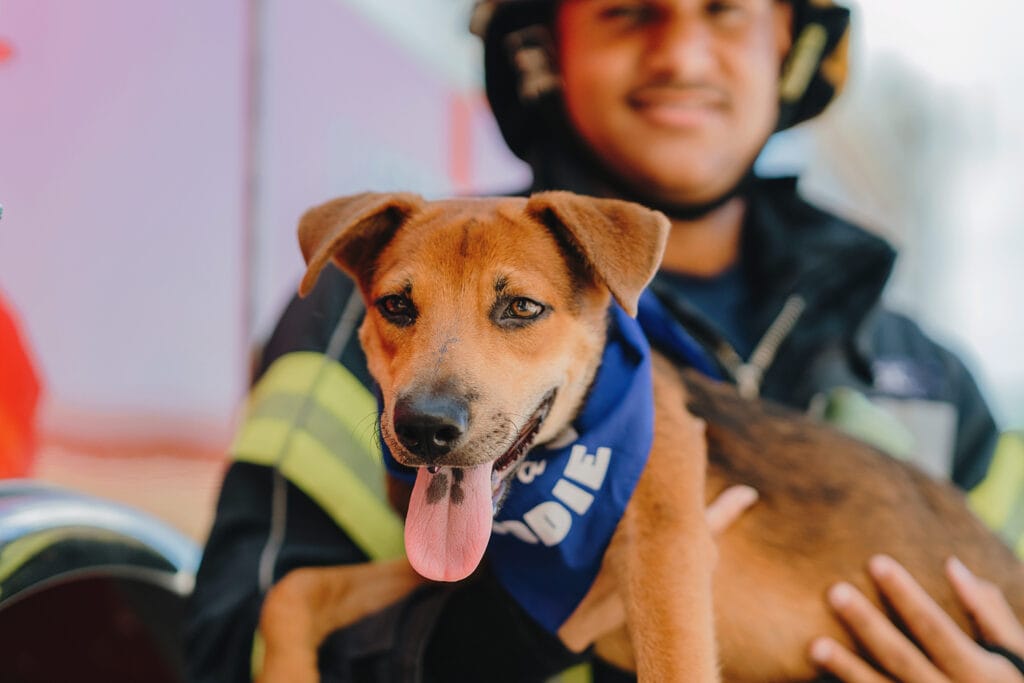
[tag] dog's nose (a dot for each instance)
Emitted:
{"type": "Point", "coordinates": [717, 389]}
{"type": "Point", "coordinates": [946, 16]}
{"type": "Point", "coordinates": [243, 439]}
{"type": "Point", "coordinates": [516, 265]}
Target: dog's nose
{"type": "Point", "coordinates": [430, 425]}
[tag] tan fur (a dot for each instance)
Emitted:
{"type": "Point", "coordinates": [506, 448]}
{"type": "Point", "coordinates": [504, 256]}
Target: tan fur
{"type": "Point", "coordinates": [827, 502]}
{"type": "Point", "coordinates": [309, 603]}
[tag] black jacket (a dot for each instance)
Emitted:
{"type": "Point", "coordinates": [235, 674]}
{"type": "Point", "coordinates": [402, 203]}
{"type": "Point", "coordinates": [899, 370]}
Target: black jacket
{"type": "Point", "coordinates": [844, 336]}
{"type": "Point", "coordinates": [474, 631]}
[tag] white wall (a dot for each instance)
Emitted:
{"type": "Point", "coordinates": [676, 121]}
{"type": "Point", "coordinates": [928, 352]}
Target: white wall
{"type": "Point", "coordinates": [926, 146]}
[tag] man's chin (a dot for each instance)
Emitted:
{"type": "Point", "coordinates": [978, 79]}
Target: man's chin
{"type": "Point", "coordinates": [684, 190]}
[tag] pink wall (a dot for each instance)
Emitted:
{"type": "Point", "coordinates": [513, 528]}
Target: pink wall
{"type": "Point", "coordinates": [142, 259]}
{"type": "Point", "coordinates": [120, 174]}
{"type": "Point", "coordinates": [343, 108]}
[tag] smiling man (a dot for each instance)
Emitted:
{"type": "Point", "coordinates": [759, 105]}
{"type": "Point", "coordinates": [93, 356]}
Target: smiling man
{"type": "Point", "coordinates": [676, 99]}
{"type": "Point", "coordinates": [669, 103]}
{"type": "Point", "coordinates": [663, 102]}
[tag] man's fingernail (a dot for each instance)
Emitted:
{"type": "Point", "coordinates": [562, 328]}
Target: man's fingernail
{"type": "Point", "coordinates": [840, 594]}
{"type": "Point", "coordinates": [821, 650]}
{"type": "Point", "coordinates": [881, 565]}
{"type": "Point", "coordinates": [748, 494]}
{"type": "Point", "coordinates": [959, 570]}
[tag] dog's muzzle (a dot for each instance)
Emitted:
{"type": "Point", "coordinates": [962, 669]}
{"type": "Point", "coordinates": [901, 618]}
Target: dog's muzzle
{"type": "Point", "coordinates": [509, 462]}
{"type": "Point", "coordinates": [429, 426]}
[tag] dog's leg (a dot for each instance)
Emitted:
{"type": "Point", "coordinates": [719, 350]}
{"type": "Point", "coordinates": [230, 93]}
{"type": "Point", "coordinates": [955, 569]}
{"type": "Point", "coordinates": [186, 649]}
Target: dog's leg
{"type": "Point", "coordinates": [309, 603]}
{"type": "Point", "coordinates": [665, 554]}
{"type": "Point", "coordinates": [600, 613]}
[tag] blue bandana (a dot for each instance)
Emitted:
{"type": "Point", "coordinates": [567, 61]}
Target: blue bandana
{"type": "Point", "coordinates": [564, 504]}
{"type": "Point", "coordinates": [551, 533]}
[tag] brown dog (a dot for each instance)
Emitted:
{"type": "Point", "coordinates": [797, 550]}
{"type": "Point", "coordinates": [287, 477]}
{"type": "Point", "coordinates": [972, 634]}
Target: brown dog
{"type": "Point", "coordinates": [485, 326]}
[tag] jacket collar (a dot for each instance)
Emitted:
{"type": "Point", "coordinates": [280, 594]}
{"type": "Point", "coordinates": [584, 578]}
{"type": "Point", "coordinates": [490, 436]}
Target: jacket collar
{"type": "Point", "coordinates": [791, 247]}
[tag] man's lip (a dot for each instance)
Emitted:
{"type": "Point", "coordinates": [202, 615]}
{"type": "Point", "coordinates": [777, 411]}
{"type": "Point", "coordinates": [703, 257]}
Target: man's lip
{"type": "Point", "coordinates": [677, 107]}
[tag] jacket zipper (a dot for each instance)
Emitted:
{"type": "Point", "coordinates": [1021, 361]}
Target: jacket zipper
{"type": "Point", "coordinates": [749, 374]}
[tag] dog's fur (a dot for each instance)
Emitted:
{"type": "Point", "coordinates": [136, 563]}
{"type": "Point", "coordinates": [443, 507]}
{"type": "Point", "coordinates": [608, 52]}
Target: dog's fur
{"type": "Point", "coordinates": [827, 502]}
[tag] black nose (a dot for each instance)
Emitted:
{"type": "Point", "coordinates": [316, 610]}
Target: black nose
{"type": "Point", "coordinates": [430, 425]}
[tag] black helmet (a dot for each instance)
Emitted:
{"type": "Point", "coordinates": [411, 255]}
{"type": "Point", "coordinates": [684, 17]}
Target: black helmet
{"type": "Point", "coordinates": [520, 78]}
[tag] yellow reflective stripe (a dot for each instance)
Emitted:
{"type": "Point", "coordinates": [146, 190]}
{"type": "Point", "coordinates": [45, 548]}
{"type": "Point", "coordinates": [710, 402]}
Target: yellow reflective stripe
{"type": "Point", "coordinates": [20, 551]}
{"type": "Point", "coordinates": [334, 389]}
{"type": "Point", "coordinates": [259, 649]}
{"type": "Point", "coordinates": [367, 518]}
{"type": "Point", "coordinates": [264, 437]}
{"type": "Point", "coordinates": [999, 499]}
{"type": "Point", "coordinates": [362, 512]}
{"type": "Point", "coordinates": [802, 62]}
{"type": "Point", "coordinates": [308, 417]}
{"type": "Point", "coordinates": [580, 673]}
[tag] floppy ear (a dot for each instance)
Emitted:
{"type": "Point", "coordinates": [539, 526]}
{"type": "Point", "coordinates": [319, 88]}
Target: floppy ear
{"type": "Point", "coordinates": [352, 231]}
{"type": "Point", "coordinates": [621, 242]}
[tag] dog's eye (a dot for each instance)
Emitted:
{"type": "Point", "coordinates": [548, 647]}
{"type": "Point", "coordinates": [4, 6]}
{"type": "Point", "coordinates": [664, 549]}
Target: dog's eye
{"type": "Point", "coordinates": [397, 308]}
{"type": "Point", "coordinates": [522, 308]}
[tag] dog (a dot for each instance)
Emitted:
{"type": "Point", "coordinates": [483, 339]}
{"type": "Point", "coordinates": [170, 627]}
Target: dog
{"type": "Point", "coordinates": [464, 294]}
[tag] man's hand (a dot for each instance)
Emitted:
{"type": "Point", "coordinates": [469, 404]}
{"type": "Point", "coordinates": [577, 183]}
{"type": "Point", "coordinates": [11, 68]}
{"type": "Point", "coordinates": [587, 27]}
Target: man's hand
{"type": "Point", "coordinates": [728, 506]}
{"type": "Point", "coordinates": [945, 654]}
{"type": "Point", "coordinates": [602, 610]}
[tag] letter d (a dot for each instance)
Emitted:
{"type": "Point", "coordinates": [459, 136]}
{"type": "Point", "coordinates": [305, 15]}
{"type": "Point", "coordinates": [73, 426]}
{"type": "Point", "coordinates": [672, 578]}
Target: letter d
{"type": "Point", "coordinates": [551, 522]}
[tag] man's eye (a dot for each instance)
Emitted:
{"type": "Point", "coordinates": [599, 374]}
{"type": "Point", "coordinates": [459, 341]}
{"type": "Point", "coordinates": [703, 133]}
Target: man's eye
{"type": "Point", "coordinates": [722, 7]}
{"type": "Point", "coordinates": [635, 12]}
{"type": "Point", "coordinates": [397, 308]}
{"type": "Point", "coordinates": [522, 308]}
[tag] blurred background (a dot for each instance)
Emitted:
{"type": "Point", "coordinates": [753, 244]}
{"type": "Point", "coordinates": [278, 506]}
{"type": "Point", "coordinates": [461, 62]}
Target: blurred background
{"type": "Point", "coordinates": [155, 158]}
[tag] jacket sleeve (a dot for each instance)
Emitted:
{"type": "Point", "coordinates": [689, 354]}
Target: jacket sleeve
{"type": "Point", "coordinates": [976, 434]}
{"type": "Point", "coordinates": [474, 631]}
{"type": "Point", "coordinates": [945, 378]}
{"type": "Point", "coordinates": [224, 608]}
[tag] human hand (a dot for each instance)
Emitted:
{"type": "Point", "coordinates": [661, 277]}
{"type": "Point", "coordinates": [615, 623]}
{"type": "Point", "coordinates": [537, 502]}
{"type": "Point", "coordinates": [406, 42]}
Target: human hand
{"type": "Point", "coordinates": [946, 653]}
{"type": "Point", "coordinates": [602, 610]}
{"type": "Point", "coordinates": [728, 506]}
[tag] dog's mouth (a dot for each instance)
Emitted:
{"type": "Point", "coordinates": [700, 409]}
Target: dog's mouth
{"type": "Point", "coordinates": [452, 508]}
{"type": "Point", "coordinates": [509, 462]}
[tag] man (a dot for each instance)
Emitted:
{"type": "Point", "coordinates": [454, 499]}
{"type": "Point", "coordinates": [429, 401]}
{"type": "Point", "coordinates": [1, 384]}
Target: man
{"type": "Point", "coordinates": [669, 104]}
{"type": "Point", "coordinates": [665, 102]}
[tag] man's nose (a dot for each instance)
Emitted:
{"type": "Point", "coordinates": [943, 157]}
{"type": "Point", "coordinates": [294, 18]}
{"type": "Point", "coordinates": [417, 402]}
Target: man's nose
{"type": "Point", "coordinates": [680, 46]}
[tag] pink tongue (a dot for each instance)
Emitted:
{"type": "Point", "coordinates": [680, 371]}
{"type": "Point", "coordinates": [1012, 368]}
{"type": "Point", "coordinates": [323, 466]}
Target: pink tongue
{"type": "Point", "coordinates": [449, 521]}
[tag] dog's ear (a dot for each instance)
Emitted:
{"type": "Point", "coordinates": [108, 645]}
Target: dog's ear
{"type": "Point", "coordinates": [352, 231]}
{"type": "Point", "coordinates": [621, 242]}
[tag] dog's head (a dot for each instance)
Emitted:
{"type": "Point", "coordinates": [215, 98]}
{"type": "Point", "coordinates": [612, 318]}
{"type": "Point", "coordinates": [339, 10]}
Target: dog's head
{"type": "Point", "coordinates": [485, 323]}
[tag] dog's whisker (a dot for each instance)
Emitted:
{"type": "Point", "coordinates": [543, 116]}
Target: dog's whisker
{"type": "Point", "coordinates": [370, 426]}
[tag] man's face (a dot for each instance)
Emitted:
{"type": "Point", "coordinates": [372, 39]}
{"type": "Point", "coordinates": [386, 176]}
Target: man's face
{"type": "Point", "coordinates": [676, 97]}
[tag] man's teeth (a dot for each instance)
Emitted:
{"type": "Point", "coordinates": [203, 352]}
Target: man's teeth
{"type": "Point", "coordinates": [433, 469]}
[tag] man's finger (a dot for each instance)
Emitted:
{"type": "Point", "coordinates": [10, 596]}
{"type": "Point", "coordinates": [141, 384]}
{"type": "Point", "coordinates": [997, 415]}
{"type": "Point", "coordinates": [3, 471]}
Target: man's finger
{"type": "Point", "coordinates": [728, 506]}
{"type": "Point", "coordinates": [829, 655]}
{"type": "Point", "coordinates": [946, 644]}
{"type": "Point", "coordinates": [987, 606]}
{"type": "Point", "coordinates": [880, 638]}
